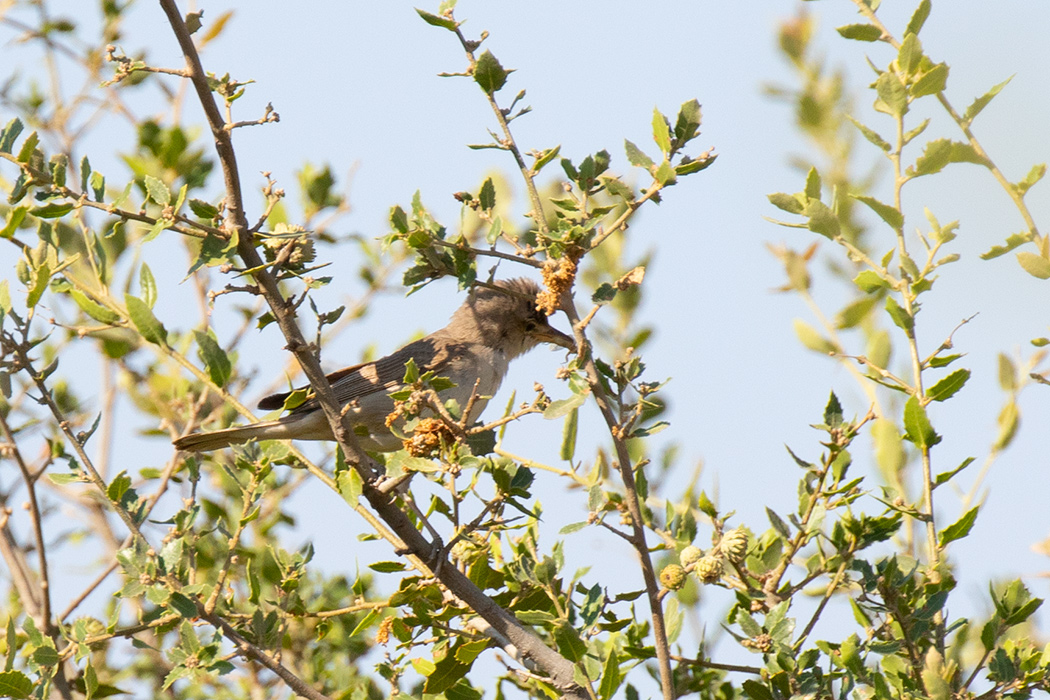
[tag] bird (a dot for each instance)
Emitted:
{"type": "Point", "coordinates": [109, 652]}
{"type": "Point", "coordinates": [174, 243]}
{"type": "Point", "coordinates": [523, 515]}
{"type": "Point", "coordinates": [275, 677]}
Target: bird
{"type": "Point", "coordinates": [495, 325]}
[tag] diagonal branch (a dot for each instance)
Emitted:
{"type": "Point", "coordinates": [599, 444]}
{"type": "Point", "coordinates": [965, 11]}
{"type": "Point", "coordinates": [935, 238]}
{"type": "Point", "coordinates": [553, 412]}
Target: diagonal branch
{"type": "Point", "coordinates": [532, 647]}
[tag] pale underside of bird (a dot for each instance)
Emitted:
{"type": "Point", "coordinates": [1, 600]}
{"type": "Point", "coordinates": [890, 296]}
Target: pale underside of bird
{"type": "Point", "coordinates": [491, 328]}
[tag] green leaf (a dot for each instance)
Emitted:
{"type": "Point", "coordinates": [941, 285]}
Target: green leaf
{"type": "Point", "coordinates": [833, 412]}
{"type": "Point", "coordinates": [45, 656]}
{"type": "Point", "coordinates": [687, 166]}
{"type": "Point", "coordinates": [860, 32]}
{"type": "Point", "coordinates": [495, 230]}
{"type": "Point", "coordinates": [687, 124]}
{"type": "Point", "coordinates": [15, 684]}
{"type": "Point", "coordinates": [41, 276]}
{"type": "Point", "coordinates": [1012, 241]}
{"type": "Point", "coordinates": [981, 102]}
{"type": "Point", "coordinates": [821, 219]}
{"type": "Point", "coordinates": [888, 449]}
{"type": "Point", "coordinates": [786, 202]}
{"type": "Point", "coordinates": [52, 210]}
{"type": "Point", "coordinates": [1034, 175]}
{"type": "Point", "coordinates": [661, 131]}
{"type": "Point", "coordinates": [9, 134]}
{"type": "Point", "coordinates": [59, 164]}
{"type": "Point", "coordinates": [148, 326]}
{"type": "Point", "coordinates": [183, 605]}
{"type": "Point", "coordinates": [446, 674]}
{"type": "Point", "coordinates": [28, 146]}
{"type": "Point", "coordinates": [386, 567]}
{"type": "Point", "coordinates": [932, 82]}
{"type": "Point", "coordinates": [214, 358]}
{"type": "Point", "coordinates": [96, 311]}
{"type": "Point", "coordinates": [665, 174]}
{"type": "Point", "coordinates": [98, 187]}
{"type": "Point", "coordinates": [960, 528]}
{"type": "Point", "coordinates": [437, 21]}
{"type": "Point", "coordinates": [544, 158]}
{"type": "Point", "coordinates": [569, 643]}
{"type": "Point", "coordinates": [157, 191]}
{"type": "Point", "coordinates": [636, 157]}
{"type": "Point", "coordinates": [893, 96]}
{"type": "Point", "coordinates": [5, 306]}
{"type": "Point", "coordinates": [871, 135]}
{"type": "Point", "coordinates": [487, 196]}
{"type": "Point", "coordinates": [778, 524]}
{"type": "Point", "coordinates": [948, 386]}
{"type": "Point", "coordinates": [891, 216]}
{"type": "Point", "coordinates": [870, 281]}
{"type": "Point", "coordinates": [899, 316]}
{"type": "Point", "coordinates": [118, 487]}
{"type": "Point", "coordinates": [562, 407]}
{"type": "Point", "coordinates": [15, 217]}
{"type": "Point", "coordinates": [85, 173]}
{"type": "Point", "coordinates": [489, 74]}
{"type": "Point", "coordinates": [350, 485]}
{"type": "Point", "coordinates": [1008, 420]}
{"type": "Point", "coordinates": [945, 477]}
{"type": "Point", "coordinates": [812, 339]}
{"type": "Point", "coordinates": [616, 187]}
{"type": "Point", "coordinates": [611, 678]}
{"type": "Point", "coordinates": [706, 506]}
{"type": "Point", "coordinates": [918, 17]}
{"type": "Point", "coordinates": [568, 435]}
{"type": "Point", "coordinates": [1035, 265]}
{"type": "Point", "coordinates": [203, 210]}
{"type": "Point", "coordinates": [911, 134]}
{"type": "Point", "coordinates": [1023, 612]}
{"type": "Point", "coordinates": [468, 651]}
{"type": "Point", "coordinates": [917, 425]}
{"type": "Point", "coordinates": [573, 527]}
{"type": "Point", "coordinates": [147, 285]}
{"type": "Point", "coordinates": [813, 185]}
{"type": "Point", "coordinates": [1007, 373]}
{"type": "Point", "coordinates": [756, 690]}
{"type": "Point", "coordinates": [941, 152]}
{"type": "Point", "coordinates": [854, 313]}
{"type": "Point", "coordinates": [910, 54]}
{"type": "Point", "coordinates": [411, 372]}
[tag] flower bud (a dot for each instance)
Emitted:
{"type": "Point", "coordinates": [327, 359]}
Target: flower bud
{"type": "Point", "coordinates": [709, 568]}
{"type": "Point", "coordinates": [673, 577]}
{"type": "Point", "coordinates": [690, 555]}
{"type": "Point", "coordinates": [734, 545]}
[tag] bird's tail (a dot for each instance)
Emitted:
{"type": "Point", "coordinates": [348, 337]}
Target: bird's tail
{"type": "Point", "coordinates": [282, 429]}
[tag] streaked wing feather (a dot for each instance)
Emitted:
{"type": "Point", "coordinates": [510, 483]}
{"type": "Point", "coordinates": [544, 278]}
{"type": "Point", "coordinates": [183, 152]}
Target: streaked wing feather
{"type": "Point", "coordinates": [350, 383]}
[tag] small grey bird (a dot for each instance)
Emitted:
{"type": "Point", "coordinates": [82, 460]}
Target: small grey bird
{"type": "Point", "coordinates": [491, 328]}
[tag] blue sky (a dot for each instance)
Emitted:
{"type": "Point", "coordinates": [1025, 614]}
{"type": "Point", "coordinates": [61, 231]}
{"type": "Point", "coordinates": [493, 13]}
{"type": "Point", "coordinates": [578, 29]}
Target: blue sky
{"type": "Point", "coordinates": [356, 87]}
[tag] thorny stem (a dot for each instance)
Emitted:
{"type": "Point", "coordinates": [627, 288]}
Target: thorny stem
{"type": "Point", "coordinates": [702, 663]}
{"type": "Point", "coordinates": [508, 142]}
{"type": "Point", "coordinates": [637, 533]}
{"type": "Point", "coordinates": [85, 461]}
{"type": "Point", "coordinates": [38, 533]}
{"type": "Point", "coordinates": [800, 539]}
{"type": "Point", "coordinates": [232, 543]}
{"type": "Point", "coordinates": [249, 650]}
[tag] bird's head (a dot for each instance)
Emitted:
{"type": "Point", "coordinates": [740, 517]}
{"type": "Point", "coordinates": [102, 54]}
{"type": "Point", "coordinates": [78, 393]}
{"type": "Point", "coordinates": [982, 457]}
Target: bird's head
{"type": "Point", "coordinates": [505, 317]}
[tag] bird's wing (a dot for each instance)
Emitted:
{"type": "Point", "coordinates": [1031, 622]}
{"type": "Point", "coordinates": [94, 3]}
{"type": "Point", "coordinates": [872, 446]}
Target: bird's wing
{"type": "Point", "coordinates": [432, 353]}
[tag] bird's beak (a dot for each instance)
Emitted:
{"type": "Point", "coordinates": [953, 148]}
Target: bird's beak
{"type": "Point", "coordinates": [549, 334]}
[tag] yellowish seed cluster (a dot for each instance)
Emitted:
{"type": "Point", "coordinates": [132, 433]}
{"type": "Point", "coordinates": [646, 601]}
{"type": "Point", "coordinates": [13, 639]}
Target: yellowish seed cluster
{"type": "Point", "coordinates": [558, 276]}
{"type": "Point", "coordinates": [428, 437]}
